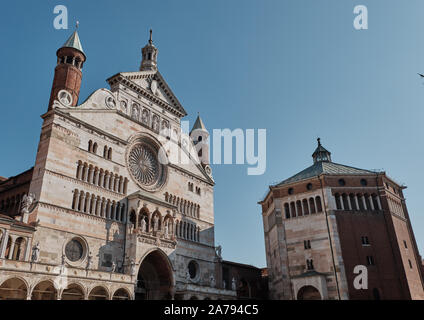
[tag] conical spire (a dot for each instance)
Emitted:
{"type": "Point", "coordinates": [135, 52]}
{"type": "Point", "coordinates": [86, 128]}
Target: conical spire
{"type": "Point", "coordinates": [320, 153]}
{"type": "Point", "coordinates": [199, 125]}
{"type": "Point", "coordinates": [74, 42]}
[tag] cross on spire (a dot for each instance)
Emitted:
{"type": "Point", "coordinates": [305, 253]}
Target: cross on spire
{"type": "Point", "coordinates": [151, 40]}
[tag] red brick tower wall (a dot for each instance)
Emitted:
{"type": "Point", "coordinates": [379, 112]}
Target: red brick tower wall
{"type": "Point", "coordinates": [67, 76]}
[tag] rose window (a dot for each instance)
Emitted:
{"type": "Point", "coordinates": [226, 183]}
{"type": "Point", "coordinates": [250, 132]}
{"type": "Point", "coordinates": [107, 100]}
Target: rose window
{"type": "Point", "coordinates": [145, 167]}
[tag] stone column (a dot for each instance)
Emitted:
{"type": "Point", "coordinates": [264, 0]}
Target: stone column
{"type": "Point", "coordinates": [101, 180]}
{"type": "Point", "coordinates": [104, 207]}
{"type": "Point", "coordinates": [363, 201]}
{"type": "Point", "coordinates": [91, 175]}
{"type": "Point", "coordinates": [349, 202]}
{"type": "Point", "coordinates": [96, 177]}
{"type": "Point", "coordinates": [79, 171]}
{"type": "Point", "coordinates": [5, 240]}
{"type": "Point", "coordinates": [303, 208]}
{"type": "Point", "coordinates": [95, 210]}
{"type": "Point", "coordinates": [112, 182]}
{"type": "Point", "coordinates": [12, 248]}
{"type": "Point", "coordinates": [77, 200]}
{"type": "Point", "coordinates": [86, 173]}
{"type": "Point", "coordinates": [357, 202]}
{"type": "Point", "coordinates": [83, 203]}
{"type": "Point", "coordinates": [120, 185]}
{"type": "Point", "coordinates": [106, 185]}
{"type": "Point", "coordinates": [342, 202]}
{"type": "Point", "coordinates": [27, 249]}
{"type": "Point", "coordinates": [108, 209]}
{"type": "Point", "coordinates": [378, 203]}
{"type": "Point", "coordinates": [371, 202]}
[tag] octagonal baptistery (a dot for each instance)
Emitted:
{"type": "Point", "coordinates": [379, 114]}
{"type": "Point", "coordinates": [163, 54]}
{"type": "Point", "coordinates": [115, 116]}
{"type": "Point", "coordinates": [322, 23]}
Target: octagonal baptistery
{"type": "Point", "coordinates": [325, 221]}
{"type": "Point", "coordinates": [110, 210]}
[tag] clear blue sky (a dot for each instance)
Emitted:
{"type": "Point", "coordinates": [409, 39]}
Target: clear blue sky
{"type": "Point", "coordinates": [296, 68]}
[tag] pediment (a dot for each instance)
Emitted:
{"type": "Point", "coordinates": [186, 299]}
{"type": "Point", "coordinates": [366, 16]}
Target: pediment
{"type": "Point", "coordinates": [152, 85]}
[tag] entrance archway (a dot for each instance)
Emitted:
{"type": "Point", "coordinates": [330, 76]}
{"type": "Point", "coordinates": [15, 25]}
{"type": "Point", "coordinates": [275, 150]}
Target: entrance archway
{"type": "Point", "coordinates": [44, 291]}
{"type": "Point", "coordinates": [154, 280]}
{"type": "Point", "coordinates": [13, 289]}
{"type": "Point", "coordinates": [308, 293]}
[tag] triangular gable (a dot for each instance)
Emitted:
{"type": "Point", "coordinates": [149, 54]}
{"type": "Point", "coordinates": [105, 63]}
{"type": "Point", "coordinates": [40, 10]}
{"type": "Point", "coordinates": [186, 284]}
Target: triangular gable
{"type": "Point", "coordinates": [160, 90]}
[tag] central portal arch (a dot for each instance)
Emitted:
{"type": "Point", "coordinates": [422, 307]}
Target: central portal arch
{"type": "Point", "coordinates": [308, 293]}
{"type": "Point", "coordinates": [155, 277]}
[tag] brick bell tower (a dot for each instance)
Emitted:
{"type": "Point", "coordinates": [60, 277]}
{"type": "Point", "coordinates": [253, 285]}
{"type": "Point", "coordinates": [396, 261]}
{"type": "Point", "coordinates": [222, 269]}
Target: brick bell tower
{"type": "Point", "coordinates": [68, 72]}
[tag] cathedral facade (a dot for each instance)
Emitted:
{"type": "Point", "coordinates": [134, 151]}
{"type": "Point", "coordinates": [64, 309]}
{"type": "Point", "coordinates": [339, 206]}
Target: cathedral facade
{"type": "Point", "coordinates": [331, 223]}
{"type": "Point", "coordinates": [117, 205]}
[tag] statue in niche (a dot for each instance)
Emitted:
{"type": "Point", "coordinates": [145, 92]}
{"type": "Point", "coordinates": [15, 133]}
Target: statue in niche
{"type": "Point", "coordinates": [213, 282]}
{"type": "Point", "coordinates": [143, 225]}
{"type": "Point", "coordinates": [166, 229]}
{"type": "Point", "coordinates": [156, 223]}
{"type": "Point", "coordinates": [36, 252]}
{"type": "Point", "coordinates": [145, 116]}
{"type": "Point", "coordinates": [155, 124]}
{"type": "Point", "coordinates": [233, 284]}
{"type": "Point", "coordinates": [134, 114]}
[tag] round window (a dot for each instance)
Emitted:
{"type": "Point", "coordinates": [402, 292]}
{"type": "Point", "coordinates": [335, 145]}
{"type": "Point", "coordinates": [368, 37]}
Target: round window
{"type": "Point", "coordinates": [146, 164]}
{"type": "Point", "coordinates": [74, 250]}
{"type": "Point", "coordinates": [291, 190]}
{"type": "Point", "coordinates": [192, 269]}
{"type": "Point", "coordinates": [364, 182]}
{"type": "Point", "coordinates": [309, 186]}
{"type": "Point", "coordinates": [342, 182]}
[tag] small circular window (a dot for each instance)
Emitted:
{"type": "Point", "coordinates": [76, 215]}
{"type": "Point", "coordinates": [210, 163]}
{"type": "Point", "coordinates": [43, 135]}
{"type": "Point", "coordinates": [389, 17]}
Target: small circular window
{"type": "Point", "coordinates": [364, 182]}
{"type": "Point", "coordinates": [192, 269]}
{"type": "Point", "coordinates": [342, 182]}
{"type": "Point", "coordinates": [74, 250]}
{"type": "Point", "coordinates": [291, 190]}
{"type": "Point", "coordinates": [309, 186]}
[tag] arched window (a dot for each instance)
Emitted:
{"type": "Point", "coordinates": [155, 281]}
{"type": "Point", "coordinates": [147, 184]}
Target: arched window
{"type": "Point", "coordinates": [90, 146]}
{"type": "Point", "coordinates": [345, 201]}
{"type": "Point", "coordinates": [312, 205]}
{"type": "Point", "coordinates": [353, 201]}
{"type": "Point", "coordinates": [105, 152]}
{"type": "Point", "coordinates": [95, 147]}
{"type": "Point", "coordinates": [305, 206]}
{"type": "Point", "coordinates": [338, 203]}
{"type": "Point", "coordinates": [299, 208]}
{"type": "Point", "coordinates": [287, 210]}
{"type": "Point", "coordinates": [319, 204]}
{"type": "Point", "coordinates": [109, 154]}
{"type": "Point", "coordinates": [293, 209]}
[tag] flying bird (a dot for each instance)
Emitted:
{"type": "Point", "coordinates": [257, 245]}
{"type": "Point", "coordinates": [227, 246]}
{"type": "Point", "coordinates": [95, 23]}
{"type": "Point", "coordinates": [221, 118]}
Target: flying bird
{"type": "Point", "coordinates": [421, 75]}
